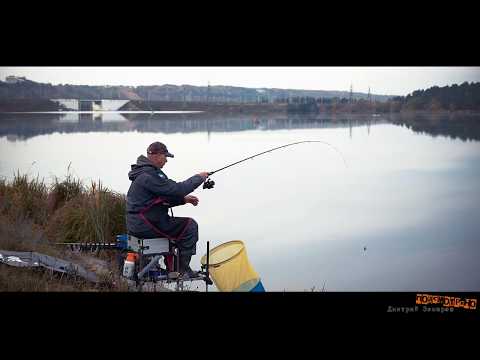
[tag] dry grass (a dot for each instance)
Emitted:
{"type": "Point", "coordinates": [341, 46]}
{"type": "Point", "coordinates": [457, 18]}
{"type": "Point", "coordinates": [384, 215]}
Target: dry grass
{"type": "Point", "coordinates": [95, 215]}
{"type": "Point", "coordinates": [67, 211]}
{"type": "Point", "coordinates": [22, 236]}
{"type": "Point", "coordinates": [33, 217]}
{"type": "Point", "coordinates": [64, 191]}
{"type": "Point", "coordinates": [24, 198]}
{"type": "Point", "coordinates": [30, 280]}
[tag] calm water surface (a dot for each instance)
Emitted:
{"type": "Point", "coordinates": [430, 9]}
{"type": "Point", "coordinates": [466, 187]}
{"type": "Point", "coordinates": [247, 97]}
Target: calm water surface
{"type": "Point", "coordinates": [410, 197]}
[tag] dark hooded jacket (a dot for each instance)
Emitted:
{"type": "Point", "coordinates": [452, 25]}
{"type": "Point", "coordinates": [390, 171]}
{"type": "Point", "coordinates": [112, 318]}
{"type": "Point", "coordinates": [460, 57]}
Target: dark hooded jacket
{"type": "Point", "coordinates": [150, 183]}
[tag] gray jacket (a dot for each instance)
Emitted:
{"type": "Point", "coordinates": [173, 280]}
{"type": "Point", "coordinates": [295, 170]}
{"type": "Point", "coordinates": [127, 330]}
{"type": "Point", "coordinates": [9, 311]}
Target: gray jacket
{"type": "Point", "coordinates": [150, 183]}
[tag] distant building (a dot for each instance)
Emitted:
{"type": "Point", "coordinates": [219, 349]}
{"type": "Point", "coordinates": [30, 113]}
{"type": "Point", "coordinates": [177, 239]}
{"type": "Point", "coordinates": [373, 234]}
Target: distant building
{"type": "Point", "coordinates": [91, 105]}
{"type": "Point", "coordinates": [14, 79]}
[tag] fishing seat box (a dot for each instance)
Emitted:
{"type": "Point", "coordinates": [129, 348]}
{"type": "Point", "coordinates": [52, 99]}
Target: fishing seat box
{"type": "Point", "coordinates": [153, 246]}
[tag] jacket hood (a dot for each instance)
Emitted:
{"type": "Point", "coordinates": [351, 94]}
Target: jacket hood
{"type": "Point", "coordinates": [142, 165]}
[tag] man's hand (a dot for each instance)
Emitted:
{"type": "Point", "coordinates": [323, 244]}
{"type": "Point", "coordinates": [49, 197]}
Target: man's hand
{"type": "Point", "coordinates": [191, 199]}
{"type": "Point", "coordinates": [203, 174]}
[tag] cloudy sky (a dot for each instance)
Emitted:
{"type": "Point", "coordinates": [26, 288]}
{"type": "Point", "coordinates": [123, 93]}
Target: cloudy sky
{"type": "Point", "coordinates": [381, 80]}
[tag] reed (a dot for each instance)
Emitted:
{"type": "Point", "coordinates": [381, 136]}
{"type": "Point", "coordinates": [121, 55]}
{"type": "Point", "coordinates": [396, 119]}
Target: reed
{"type": "Point", "coordinates": [24, 198]}
{"type": "Point", "coordinates": [67, 211]}
{"type": "Point", "coordinates": [62, 192]}
{"type": "Point", "coordinates": [94, 215]}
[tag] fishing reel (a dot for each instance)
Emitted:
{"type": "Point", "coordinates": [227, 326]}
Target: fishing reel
{"type": "Point", "coordinates": [208, 184]}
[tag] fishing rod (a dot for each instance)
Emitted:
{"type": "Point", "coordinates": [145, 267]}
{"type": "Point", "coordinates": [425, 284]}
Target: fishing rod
{"type": "Point", "coordinates": [208, 184]}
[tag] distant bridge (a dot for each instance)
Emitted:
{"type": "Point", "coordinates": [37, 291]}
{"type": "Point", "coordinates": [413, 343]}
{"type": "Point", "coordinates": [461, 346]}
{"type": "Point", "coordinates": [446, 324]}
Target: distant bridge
{"type": "Point", "coordinates": [91, 105]}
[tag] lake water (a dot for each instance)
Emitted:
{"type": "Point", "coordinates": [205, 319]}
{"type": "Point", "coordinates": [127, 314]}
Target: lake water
{"type": "Point", "coordinates": [411, 198]}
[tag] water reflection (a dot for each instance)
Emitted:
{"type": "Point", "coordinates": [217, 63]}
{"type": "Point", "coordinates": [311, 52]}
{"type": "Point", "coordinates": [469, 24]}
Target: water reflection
{"type": "Point", "coordinates": [24, 126]}
{"type": "Point", "coordinates": [462, 126]}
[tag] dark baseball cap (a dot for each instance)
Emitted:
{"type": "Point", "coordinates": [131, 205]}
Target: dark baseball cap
{"type": "Point", "coordinates": [158, 148]}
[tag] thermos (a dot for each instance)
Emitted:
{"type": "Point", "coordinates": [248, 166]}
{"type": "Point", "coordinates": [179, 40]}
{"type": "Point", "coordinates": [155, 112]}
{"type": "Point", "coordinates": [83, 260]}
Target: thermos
{"type": "Point", "coordinates": [129, 265]}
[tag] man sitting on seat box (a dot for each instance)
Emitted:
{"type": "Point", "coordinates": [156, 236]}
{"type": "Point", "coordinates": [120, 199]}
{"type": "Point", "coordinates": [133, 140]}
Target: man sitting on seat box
{"type": "Point", "coordinates": [149, 197]}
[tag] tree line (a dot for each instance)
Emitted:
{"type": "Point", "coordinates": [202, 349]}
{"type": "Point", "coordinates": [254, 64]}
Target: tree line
{"type": "Point", "coordinates": [448, 98]}
{"type": "Point", "coordinates": [465, 96]}
{"type": "Point", "coordinates": [28, 89]}
{"type": "Point", "coordinates": [33, 90]}
{"type": "Point", "coordinates": [455, 97]}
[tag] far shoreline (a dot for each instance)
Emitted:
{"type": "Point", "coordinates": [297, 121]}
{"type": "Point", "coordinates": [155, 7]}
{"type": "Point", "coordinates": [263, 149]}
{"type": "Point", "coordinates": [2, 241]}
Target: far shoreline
{"type": "Point", "coordinates": [42, 106]}
{"type": "Point", "coordinates": [241, 111]}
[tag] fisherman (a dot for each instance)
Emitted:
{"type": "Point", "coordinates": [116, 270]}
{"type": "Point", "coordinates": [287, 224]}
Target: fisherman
{"type": "Point", "coordinates": [149, 197]}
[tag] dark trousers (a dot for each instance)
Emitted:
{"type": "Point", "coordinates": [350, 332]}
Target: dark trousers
{"type": "Point", "coordinates": [182, 231]}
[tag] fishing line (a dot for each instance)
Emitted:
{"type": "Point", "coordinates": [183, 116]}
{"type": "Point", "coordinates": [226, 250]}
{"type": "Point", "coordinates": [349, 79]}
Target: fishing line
{"type": "Point", "coordinates": [208, 184]}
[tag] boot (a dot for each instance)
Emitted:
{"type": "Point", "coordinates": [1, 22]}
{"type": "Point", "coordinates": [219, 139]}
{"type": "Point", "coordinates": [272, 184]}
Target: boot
{"type": "Point", "coordinates": [184, 267]}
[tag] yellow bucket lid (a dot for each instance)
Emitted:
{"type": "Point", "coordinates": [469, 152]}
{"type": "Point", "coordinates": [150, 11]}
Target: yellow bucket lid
{"type": "Point", "coordinates": [223, 252]}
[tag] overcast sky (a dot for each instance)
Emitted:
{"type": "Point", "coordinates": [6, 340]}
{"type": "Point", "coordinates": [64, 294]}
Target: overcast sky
{"type": "Point", "coordinates": [381, 80]}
